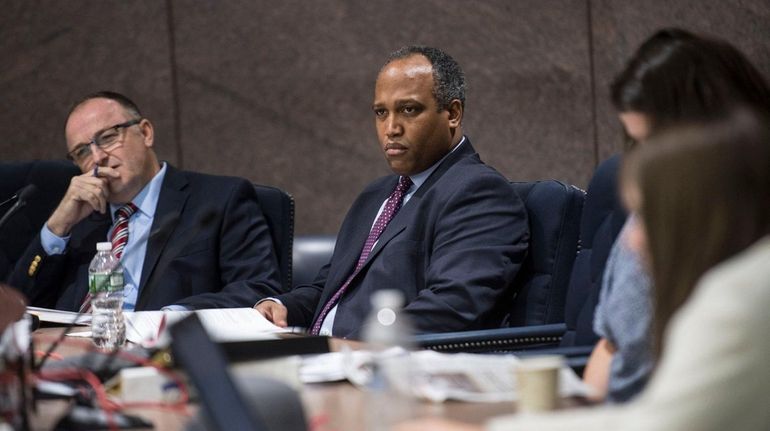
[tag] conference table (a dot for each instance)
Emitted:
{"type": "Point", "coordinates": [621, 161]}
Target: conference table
{"type": "Point", "coordinates": [336, 406]}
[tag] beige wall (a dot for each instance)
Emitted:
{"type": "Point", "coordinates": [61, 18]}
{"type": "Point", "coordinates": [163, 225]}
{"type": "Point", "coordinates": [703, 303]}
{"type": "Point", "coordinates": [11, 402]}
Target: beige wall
{"type": "Point", "coordinates": [279, 91]}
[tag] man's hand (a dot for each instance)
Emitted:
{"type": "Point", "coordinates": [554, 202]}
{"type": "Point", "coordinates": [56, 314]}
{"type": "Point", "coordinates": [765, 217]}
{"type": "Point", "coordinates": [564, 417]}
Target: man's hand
{"type": "Point", "coordinates": [273, 312]}
{"type": "Point", "coordinates": [87, 193]}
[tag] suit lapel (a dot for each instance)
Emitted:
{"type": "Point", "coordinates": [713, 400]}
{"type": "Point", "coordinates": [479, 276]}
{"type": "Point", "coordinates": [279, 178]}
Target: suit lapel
{"type": "Point", "coordinates": [94, 229]}
{"type": "Point", "coordinates": [407, 213]}
{"type": "Point", "coordinates": [397, 225]}
{"type": "Point", "coordinates": [353, 246]}
{"type": "Point", "coordinates": [171, 202]}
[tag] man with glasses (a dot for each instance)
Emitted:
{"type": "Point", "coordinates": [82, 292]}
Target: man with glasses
{"type": "Point", "coordinates": [186, 240]}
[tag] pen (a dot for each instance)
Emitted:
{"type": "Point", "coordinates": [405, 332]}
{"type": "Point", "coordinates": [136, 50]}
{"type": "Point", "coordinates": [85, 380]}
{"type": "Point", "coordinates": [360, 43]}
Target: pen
{"type": "Point", "coordinates": [96, 170]}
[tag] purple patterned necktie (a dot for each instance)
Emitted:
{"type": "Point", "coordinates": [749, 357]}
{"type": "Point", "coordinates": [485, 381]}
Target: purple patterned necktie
{"type": "Point", "coordinates": [119, 239]}
{"type": "Point", "coordinates": [391, 208]}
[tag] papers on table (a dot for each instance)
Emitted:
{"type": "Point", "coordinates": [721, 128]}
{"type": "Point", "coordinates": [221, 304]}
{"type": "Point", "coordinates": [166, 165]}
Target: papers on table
{"type": "Point", "coordinates": [79, 334]}
{"type": "Point", "coordinates": [431, 375]}
{"type": "Point", "coordinates": [467, 377]}
{"type": "Point", "coordinates": [58, 316]}
{"type": "Point", "coordinates": [336, 366]}
{"type": "Point", "coordinates": [222, 324]}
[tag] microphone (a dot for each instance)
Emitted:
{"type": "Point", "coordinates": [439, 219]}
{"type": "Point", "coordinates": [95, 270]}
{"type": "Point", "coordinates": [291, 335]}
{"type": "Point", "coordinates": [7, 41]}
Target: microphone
{"type": "Point", "coordinates": [22, 196]}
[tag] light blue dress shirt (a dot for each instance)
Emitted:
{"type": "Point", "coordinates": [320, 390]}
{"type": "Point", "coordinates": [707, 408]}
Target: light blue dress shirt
{"type": "Point", "coordinates": [139, 226]}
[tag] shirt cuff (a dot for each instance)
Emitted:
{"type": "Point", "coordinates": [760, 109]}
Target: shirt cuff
{"type": "Point", "coordinates": [268, 299]}
{"type": "Point", "coordinates": [175, 307]}
{"type": "Point", "coordinates": [52, 243]}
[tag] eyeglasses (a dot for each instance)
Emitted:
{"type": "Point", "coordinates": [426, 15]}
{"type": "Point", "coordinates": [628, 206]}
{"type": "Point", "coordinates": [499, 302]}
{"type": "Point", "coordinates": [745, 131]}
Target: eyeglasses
{"type": "Point", "coordinates": [104, 139]}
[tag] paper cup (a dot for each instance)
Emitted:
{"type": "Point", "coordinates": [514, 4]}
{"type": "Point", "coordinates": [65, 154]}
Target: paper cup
{"type": "Point", "coordinates": [537, 382]}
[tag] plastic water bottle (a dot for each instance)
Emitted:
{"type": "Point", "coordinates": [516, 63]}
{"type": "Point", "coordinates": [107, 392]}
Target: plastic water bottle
{"type": "Point", "coordinates": [387, 327]}
{"type": "Point", "coordinates": [105, 283]}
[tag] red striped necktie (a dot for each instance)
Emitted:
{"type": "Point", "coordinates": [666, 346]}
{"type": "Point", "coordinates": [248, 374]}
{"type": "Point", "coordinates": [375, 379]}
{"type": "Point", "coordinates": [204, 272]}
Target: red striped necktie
{"type": "Point", "coordinates": [119, 232]}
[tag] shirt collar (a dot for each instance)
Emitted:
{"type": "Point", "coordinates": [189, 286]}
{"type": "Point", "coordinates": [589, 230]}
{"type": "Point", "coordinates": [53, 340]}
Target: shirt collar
{"type": "Point", "coordinates": [147, 199]}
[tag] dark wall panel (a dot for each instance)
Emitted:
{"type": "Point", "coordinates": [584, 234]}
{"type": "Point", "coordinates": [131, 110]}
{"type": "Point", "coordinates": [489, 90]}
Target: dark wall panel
{"type": "Point", "coordinates": [55, 52]}
{"type": "Point", "coordinates": [619, 27]}
{"type": "Point", "coordinates": [282, 94]}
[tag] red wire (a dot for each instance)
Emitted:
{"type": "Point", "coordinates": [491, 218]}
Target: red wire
{"type": "Point", "coordinates": [93, 381]}
{"type": "Point", "coordinates": [52, 355]}
{"type": "Point", "coordinates": [318, 421]}
{"type": "Point", "coordinates": [109, 406]}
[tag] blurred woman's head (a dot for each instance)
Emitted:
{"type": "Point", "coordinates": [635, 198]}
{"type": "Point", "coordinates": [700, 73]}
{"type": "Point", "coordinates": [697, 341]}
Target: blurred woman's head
{"type": "Point", "coordinates": [702, 194]}
{"type": "Point", "coordinates": [676, 76]}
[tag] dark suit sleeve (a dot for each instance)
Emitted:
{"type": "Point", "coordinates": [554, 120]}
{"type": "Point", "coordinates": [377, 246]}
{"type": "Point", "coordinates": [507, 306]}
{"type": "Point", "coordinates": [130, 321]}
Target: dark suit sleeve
{"type": "Point", "coordinates": [477, 246]}
{"type": "Point", "coordinates": [302, 301]}
{"type": "Point", "coordinates": [39, 276]}
{"type": "Point", "coordinates": [248, 266]}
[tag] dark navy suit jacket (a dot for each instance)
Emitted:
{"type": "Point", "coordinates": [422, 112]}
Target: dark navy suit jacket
{"type": "Point", "coordinates": [453, 249]}
{"type": "Point", "coordinates": [209, 247]}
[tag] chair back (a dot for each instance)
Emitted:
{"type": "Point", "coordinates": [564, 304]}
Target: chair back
{"type": "Point", "coordinates": [311, 253]}
{"type": "Point", "coordinates": [603, 217]}
{"type": "Point", "coordinates": [51, 177]}
{"type": "Point", "coordinates": [553, 209]}
{"type": "Point", "coordinates": [278, 208]}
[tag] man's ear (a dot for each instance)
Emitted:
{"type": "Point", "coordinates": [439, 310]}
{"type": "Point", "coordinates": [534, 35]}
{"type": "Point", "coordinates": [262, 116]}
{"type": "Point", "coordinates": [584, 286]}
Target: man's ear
{"type": "Point", "coordinates": [455, 110]}
{"type": "Point", "coordinates": [148, 131]}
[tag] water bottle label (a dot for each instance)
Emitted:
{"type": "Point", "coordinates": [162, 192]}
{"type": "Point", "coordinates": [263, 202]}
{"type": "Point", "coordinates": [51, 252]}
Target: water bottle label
{"type": "Point", "coordinates": [97, 282]}
{"type": "Point", "coordinates": [116, 281]}
{"type": "Point", "coordinates": [105, 282]}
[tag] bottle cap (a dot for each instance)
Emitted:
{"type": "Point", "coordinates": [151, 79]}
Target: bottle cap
{"type": "Point", "coordinates": [103, 246]}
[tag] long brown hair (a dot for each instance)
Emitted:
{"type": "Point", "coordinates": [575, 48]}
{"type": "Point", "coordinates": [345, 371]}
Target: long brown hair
{"type": "Point", "coordinates": [705, 197]}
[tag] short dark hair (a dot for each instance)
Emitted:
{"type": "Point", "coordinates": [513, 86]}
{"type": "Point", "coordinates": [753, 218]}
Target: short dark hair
{"type": "Point", "coordinates": [678, 76]}
{"type": "Point", "coordinates": [448, 76]}
{"type": "Point", "coordinates": [123, 100]}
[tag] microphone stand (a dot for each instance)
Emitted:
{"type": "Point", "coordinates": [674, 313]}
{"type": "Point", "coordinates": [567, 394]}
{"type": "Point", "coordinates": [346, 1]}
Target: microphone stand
{"type": "Point", "coordinates": [21, 196]}
{"type": "Point", "coordinates": [23, 393]}
{"type": "Point", "coordinates": [16, 207]}
{"type": "Point", "coordinates": [55, 344]}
